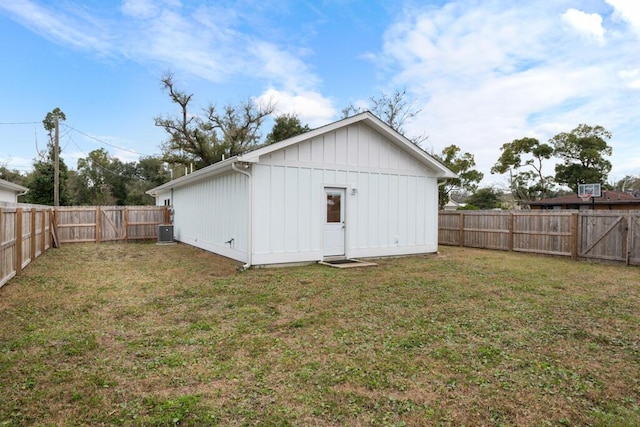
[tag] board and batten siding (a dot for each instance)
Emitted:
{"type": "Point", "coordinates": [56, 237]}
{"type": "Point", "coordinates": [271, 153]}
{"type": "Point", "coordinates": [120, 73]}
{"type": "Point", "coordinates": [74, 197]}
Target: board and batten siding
{"type": "Point", "coordinates": [390, 198]}
{"type": "Point", "coordinates": [212, 211]}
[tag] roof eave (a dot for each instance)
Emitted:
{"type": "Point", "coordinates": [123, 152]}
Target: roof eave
{"type": "Point", "coordinates": [210, 170]}
{"type": "Point", "coordinates": [13, 187]}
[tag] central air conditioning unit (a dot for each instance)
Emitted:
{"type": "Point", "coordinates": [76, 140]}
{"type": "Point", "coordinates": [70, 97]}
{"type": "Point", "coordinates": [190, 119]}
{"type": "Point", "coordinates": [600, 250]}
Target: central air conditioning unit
{"type": "Point", "coordinates": [165, 233]}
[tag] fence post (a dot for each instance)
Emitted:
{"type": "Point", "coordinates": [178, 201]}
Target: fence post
{"type": "Point", "coordinates": [1, 227]}
{"type": "Point", "coordinates": [511, 222]}
{"type": "Point", "coordinates": [125, 221]}
{"type": "Point", "coordinates": [53, 228]}
{"type": "Point", "coordinates": [32, 235]}
{"type": "Point", "coordinates": [98, 224]}
{"type": "Point", "coordinates": [626, 240]}
{"type": "Point", "coordinates": [461, 231]}
{"type": "Point", "coordinates": [43, 241]}
{"type": "Point", "coordinates": [18, 241]}
{"type": "Point", "coordinates": [574, 236]}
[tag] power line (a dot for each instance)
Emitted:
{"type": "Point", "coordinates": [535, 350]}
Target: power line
{"type": "Point", "coordinates": [90, 160]}
{"type": "Point", "coordinates": [104, 142]}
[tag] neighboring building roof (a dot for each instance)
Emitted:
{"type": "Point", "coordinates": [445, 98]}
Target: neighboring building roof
{"type": "Point", "coordinates": [254, 156]}
{"type": "Point", "coordinates": [608, 197]}
{"type": "Point", "coordinates": [452, 205]}
{"type": "Point", "coordinates": [10, 186]}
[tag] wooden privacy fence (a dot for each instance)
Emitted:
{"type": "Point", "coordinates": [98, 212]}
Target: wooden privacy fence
{"type": "Point", "coordinates": [600, 235]}
{"type": "Point", "coordinates": [109, 223]}
{"type": "Point", "coordinates": [26, 232]}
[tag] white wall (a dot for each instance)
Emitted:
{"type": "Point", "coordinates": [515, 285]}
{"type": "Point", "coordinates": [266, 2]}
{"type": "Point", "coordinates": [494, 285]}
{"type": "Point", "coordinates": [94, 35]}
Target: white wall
{"type": "Point", "coordinates": [8, 196]}
{"type": "Point", "coordinates": [393, 211]}
{"type": "Point", "coordinates": [162, 196]}
{"type": "Point", "coordinates": [209, 212]}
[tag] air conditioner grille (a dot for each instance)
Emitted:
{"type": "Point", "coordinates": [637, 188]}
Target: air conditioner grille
{"type": "Point", "coordinates": [165, 233]}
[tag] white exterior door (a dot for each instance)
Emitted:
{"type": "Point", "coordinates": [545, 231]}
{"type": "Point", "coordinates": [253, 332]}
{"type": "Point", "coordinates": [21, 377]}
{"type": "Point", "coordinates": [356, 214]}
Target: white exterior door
{"type": "Point", "coordinates": [334, 224]}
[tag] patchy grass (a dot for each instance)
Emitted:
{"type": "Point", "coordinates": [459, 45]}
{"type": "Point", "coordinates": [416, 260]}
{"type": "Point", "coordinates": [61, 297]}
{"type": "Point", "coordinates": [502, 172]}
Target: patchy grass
{"type": "Point", "coordinates": [143, 334]}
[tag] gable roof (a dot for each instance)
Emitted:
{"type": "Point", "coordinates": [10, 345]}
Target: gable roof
{"type": "Point", "coordinates": [254, 156]}
{"type": "Point", "coordinates": [367, 117]}
{"type": "Point", "coordinates": [608, 197]}
{"type": "Point", "coordinates": [6, 185]}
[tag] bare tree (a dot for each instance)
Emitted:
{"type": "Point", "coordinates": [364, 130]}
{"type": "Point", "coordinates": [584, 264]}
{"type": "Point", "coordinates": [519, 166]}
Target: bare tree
{"type": "Point", "coordinates": [395, 110]}
{"type": "Point", "coordinates": [205, 140]}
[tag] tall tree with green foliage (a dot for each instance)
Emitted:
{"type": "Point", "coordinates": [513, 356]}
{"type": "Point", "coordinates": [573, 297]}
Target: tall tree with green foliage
{"type": "Point", "coordinates": [149, 172]}
{"type": "Point", "coordinates": [49, 122]}
{"type": "Point", "coordinates": [462, 164]}
{"type": "Point", "coordinates": [485, 198]}
{"type": "Point", "coordinates": [583, 152]}
{"type": "Point", "coordinates": [523, 159]}
{"type": "Point", "coordinates": [286, 126]}
{"type": "Point", "coordinates": [92, 174]}
{"type": "Point", "coordinates": [204, 140]}
{"type": "Point", "coordinates": [40, 181]}
{"type": "Point", "coordinates": [105, 180]}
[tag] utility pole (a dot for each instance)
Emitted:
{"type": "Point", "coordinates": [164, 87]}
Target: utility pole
{"type": "Point", "coordinates": [56, 162]}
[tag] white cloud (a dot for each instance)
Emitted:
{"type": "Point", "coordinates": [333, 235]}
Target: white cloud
{"type": "Point", "coordinates": [21, 164]}
{"type": "Point", "coordinates": [65, 26]}
{"type": "Point", "coordinates": [632, 77]}
{"type": "Point", "coordinates": [627, 10]}
{"type": "Point", "coordinates": [311, 107]}
{"type": "Point", "coordinates": [204, 41]}
{"type": "Point", "coordinates": [283, 67]}
{"type": "Point", "coordinates": [588, 24]}
{"type": "Point", "coordinates": [488, 73]}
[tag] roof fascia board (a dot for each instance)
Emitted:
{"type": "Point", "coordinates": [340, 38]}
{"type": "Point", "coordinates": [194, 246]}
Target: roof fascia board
{"type": "Point", "coordinates": [412, 148]}
{"type": "Point", "coordinates": [13, 187]}
{"type": "Point", "coordinates": [210, 170]}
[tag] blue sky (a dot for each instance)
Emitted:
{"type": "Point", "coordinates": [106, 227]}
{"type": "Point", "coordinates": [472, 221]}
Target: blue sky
{"type": "Point", "coordinates": [482, 73]}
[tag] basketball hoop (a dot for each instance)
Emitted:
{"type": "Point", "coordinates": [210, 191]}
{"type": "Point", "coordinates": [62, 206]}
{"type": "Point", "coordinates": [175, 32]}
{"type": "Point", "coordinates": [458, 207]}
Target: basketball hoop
{"type": "Point", "coordinates": [585, 197]}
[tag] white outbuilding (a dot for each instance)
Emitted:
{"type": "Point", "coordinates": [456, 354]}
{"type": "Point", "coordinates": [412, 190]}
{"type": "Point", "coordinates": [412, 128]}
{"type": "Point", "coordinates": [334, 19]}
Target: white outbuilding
{"type": "Point", "coordinates": [9, 191]}
{"type": "Point", "coordinates": [352, 189]}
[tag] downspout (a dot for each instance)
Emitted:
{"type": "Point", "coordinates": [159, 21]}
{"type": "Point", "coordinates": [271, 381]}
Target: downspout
{"type": "Point", "coordinates": [250, 212]}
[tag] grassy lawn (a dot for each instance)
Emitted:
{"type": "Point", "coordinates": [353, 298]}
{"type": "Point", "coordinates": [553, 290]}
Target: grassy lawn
{"type": "Point", "coordinates": [143, 334]}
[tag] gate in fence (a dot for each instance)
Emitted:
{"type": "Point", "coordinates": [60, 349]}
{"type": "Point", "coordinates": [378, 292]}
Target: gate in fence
{"type": "Point", "coordinates": [610, 236]}
{"type": "Point", "coordinates": [108, 223]}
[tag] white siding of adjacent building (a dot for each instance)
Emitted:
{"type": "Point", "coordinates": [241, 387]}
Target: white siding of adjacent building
{"type": "Point", "coordinates": [9, 191]}
{"type": "Point", "coordinates": [163, 198]}
{"type": "Point", "coordinates": [391, 201]}
{"type": "Point", "coordinates": [212, 211]}
{"type": "Point", "coordinates": [8, 196]}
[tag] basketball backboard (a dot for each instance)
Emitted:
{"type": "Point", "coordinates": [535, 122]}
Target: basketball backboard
{"type": "Point", "coordinates": [592, 190]}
